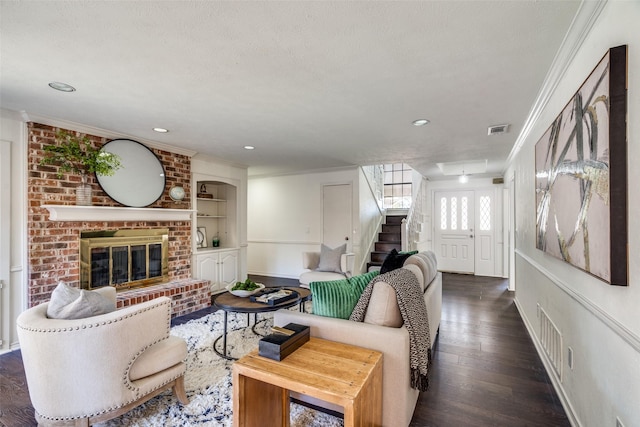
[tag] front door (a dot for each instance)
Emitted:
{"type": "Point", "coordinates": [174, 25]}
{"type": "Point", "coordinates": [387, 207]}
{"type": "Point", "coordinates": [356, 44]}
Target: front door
{"type": "Point", "coordinates": [336, 215]}
{"type": "Point", "coordinates": [454, 243]}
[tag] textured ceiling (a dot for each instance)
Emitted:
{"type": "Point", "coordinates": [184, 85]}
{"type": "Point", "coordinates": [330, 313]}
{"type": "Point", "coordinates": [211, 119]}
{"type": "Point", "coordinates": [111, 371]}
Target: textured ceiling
{"type": "Point", "coordinates": [311, 85]}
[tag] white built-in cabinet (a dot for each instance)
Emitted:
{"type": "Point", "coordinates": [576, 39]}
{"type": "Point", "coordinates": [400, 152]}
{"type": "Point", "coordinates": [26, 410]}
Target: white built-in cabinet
{"type": "Point", "coordinates": [216, 204]}
{"type": "Point", "coordinates": [219, 267]}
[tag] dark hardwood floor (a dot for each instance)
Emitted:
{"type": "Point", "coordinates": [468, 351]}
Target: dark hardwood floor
{"type": "Point", "coordinates": [485, 369]}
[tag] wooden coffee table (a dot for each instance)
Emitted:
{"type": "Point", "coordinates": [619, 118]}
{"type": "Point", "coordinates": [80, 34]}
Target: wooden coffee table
{"type": "Point", "coordinates": [230, 303]}
{"type": "Point", "coordinates": [342, 374]}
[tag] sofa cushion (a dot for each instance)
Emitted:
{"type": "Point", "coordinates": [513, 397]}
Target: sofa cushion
{"type": "Point", "coordinates": [319, 276]}
{"type": "Point", "coordinates": [72, 303]}
{"type": "Point", "coordinates": [383, 307]}
{"type": "Point", "coordinates": [160, 356]}
{"type": "Point", "coordinates": [394, 260]}
{"type": "Point", "coordinates": [336, 298]}
{"type": "Point", "coordinates": [330, 258]}
{"type": "Point", "coordinates": [427, 263]}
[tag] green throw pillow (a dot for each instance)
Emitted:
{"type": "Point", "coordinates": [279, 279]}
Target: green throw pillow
{"type": "Point", "coordinates": [336, 298]}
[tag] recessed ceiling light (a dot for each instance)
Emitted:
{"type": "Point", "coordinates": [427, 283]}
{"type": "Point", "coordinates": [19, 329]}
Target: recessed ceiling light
{"type": "Point", "coordinates": [161, 130]}
{"type": "Point", "coordinates": [63, 87]}
{"type": "Point", "coordinates": [420, 122]}
{"type": "Point", "coordinates": [249, 147]}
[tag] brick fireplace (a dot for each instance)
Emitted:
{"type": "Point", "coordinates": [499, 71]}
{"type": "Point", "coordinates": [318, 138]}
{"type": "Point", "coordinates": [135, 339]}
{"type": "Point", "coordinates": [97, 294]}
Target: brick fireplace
{"type": "Point", "coordinates": [54, 246]}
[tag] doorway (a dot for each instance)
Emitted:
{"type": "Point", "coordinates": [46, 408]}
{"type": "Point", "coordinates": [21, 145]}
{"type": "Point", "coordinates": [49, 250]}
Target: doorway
{"type": "Point", "coordinates": [337, 215]}
{"type": "Point", "coordinates": [5, 232]}
{"type": "Point", "coordinates": [464, 231]}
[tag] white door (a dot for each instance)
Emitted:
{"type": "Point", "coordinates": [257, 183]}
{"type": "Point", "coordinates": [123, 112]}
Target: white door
{"type": "Point", "coordinates": [336, 215]}
{"type": "Point", "coordinates": [465, 231]}
{"type": "Point", "coordinates": [5, 226]}
{"type": "Point", "coordinates": [454, 242]}
{"type": "Point", "coordinates": [512, 233]}
{"type": "Point", "coordinates": [485, 231]}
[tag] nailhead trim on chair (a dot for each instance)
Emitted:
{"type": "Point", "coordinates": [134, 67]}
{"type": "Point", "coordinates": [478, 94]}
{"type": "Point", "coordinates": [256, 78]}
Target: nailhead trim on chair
{"type": "Point", "coordinates": [92, 325]}
{"type": "Point", "coordinates": [125, 378]}
{"type": "Point", "coordinates": [104, 411]}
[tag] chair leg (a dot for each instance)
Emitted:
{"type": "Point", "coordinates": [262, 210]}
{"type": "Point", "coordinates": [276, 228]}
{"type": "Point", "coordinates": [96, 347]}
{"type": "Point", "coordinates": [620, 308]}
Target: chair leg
{"type": "Point", "coordinates": [179, 391]}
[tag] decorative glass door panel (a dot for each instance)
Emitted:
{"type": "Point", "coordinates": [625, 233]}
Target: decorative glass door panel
{"type": "Point", "coordinates": [454, 237]}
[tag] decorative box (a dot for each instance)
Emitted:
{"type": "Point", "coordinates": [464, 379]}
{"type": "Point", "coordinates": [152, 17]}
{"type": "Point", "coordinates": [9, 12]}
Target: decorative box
{"type": "Point", "coordinates": [278, 346]}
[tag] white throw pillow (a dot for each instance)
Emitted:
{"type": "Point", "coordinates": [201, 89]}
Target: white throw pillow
{"type": "Point", "coordinates": [73, 303]}
{"type": "Point", "coordinates": [330, 258]}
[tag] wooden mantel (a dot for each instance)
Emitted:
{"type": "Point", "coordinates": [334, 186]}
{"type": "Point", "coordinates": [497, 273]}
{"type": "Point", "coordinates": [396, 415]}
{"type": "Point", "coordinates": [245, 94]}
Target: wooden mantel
{"type": "Point", "coordinates": [111, 213]}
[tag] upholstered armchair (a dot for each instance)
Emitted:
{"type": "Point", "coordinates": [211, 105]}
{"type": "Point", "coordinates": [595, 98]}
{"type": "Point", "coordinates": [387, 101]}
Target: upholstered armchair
{"type": "Point", "coordinates": [85, 371]}
{"type": "Point", "coordinates": [311, 263]}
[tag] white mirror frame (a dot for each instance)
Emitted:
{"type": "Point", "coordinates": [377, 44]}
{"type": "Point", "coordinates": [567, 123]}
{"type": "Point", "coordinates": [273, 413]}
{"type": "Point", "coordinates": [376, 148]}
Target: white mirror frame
{"type": "Point", "coordinates": [140, 181]}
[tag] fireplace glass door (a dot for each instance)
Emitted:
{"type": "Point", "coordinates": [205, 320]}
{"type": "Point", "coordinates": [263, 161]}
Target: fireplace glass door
{"type": "Point", "coordinates": [136, 259]}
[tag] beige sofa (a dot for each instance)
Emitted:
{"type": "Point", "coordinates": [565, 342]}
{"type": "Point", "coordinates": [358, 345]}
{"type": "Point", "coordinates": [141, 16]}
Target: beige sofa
{"type": "Point", "coordinates": [398, 398]}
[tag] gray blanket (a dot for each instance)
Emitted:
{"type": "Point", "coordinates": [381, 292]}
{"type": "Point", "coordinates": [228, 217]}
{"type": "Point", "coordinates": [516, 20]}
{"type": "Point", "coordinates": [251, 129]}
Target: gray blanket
{"type": "Point", "coordinates": [414, 314]}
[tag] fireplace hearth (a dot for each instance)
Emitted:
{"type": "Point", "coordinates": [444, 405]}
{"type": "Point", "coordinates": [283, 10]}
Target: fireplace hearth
{"type": "Point", "coordinates": [124, 259]}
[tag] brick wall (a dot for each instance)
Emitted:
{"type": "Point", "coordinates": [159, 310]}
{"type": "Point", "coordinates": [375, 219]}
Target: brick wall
{"type": "Point", "coordinates": [54, 245]}
{"type": "Point", "coordinates": [186, 295]}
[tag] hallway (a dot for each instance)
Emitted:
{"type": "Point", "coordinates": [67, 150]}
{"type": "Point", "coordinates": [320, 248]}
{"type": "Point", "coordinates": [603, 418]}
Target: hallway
{"type": "Point", "coordinates": [485, 370]}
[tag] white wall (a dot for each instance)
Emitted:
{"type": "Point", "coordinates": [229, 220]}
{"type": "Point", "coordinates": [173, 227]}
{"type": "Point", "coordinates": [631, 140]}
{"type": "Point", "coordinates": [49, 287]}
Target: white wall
{"type": "Point", "coordinates": [13, 293]}
{"type": "Point", "coordinates": [285, 219]}
{"type": "Point", "coordinates": [600, 322]}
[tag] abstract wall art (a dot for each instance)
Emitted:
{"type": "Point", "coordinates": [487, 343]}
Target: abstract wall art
{"type": "Point", "coordinates": [581, 176]}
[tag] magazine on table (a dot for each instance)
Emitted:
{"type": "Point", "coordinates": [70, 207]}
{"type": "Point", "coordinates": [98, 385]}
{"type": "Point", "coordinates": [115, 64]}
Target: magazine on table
{"type": "Point", "coordinates": [274, 297]}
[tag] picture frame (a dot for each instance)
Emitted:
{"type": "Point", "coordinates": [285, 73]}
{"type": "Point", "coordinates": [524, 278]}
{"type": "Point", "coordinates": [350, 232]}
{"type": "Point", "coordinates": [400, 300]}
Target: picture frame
{"type": "Point", "coordinates": [201, 237]}
{"type": "Point", "coordinates": [581, 176]}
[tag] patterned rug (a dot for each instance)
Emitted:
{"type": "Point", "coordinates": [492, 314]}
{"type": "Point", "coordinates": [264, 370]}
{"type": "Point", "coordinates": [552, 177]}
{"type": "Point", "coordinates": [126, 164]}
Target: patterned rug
{"type": "Point", "coordinates": [208, 380]}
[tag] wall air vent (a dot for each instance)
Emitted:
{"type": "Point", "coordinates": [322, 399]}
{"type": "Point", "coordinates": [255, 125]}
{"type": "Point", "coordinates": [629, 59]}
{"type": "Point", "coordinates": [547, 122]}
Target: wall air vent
{"type": "Point", "coordinates": [494, 130]}
{"type": "Point", "coordinates": [551, 340]}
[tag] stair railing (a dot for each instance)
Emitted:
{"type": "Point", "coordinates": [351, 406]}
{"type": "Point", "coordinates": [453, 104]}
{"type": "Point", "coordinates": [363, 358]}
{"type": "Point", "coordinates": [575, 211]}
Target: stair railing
{"type": "Point", "coordinates": [412, 226]}
{"type": "Point", "coordinates": [403, 234]}
{"type": "Point", "coordinates": [374, 176]}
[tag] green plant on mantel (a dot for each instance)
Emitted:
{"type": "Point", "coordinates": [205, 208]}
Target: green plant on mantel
{"type": "Point", "coordinates": [77, 155]}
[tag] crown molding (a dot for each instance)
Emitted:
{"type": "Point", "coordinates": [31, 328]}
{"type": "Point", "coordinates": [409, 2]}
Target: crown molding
{"type": "Point", "coordinates": [50, 121]}
{"type": "Point", "coordinates": [585, 18]}
{"type": "Point", "coordinates": [305, 172]}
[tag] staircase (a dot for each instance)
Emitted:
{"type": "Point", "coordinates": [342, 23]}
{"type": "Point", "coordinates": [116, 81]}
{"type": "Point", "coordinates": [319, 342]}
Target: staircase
{"type": "Point", "coordinates": [389, 238]}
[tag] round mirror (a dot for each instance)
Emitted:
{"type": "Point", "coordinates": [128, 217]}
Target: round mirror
{"type": "Point", "coordinates": [140, 181]}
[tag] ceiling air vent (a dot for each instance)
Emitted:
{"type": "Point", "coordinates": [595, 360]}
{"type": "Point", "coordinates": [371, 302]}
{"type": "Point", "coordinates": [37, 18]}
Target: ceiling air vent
{"type": "Point", "coordinates": [494, 130]}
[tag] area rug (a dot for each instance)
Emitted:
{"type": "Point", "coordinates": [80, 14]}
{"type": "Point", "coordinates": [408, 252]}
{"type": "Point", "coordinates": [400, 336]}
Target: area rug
{"type": "Point", "coordinates": [208, 380]}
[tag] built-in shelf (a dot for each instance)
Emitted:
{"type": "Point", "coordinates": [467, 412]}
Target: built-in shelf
{"type": "Point", "coordinates": [111, 213]}
{"type": "Point", "coordinates": [211, 216]}
{"type": "Point", "coordinates": [212, 200]}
